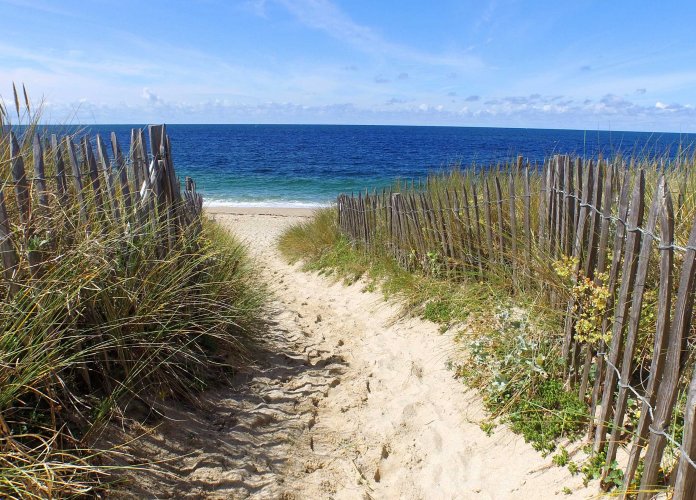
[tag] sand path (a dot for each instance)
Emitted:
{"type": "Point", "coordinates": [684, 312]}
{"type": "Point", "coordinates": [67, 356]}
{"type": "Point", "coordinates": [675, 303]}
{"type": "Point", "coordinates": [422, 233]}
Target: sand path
{"type": "Point", "coordinates": [350, 403]}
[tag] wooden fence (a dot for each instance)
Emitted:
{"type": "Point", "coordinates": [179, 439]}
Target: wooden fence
{"type": "Point", "coordinates": [72, 188]}
{"type": "Point", "coordinates": [593, 214]}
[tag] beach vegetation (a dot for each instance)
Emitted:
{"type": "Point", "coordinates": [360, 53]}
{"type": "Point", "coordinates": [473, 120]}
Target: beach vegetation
{"type": "Point", "coordinates": [510, 316]}
{"type": "Point", "coordinates": [109, 320]}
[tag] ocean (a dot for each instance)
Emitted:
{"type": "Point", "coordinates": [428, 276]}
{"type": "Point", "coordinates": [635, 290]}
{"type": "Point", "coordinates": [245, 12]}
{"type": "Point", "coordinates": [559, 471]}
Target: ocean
{"type": "Point", "coordinates": [308, 165]}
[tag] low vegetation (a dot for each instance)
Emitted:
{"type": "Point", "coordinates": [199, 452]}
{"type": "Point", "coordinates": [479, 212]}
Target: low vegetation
{"type": "Point", "coordinates": [509, 318]}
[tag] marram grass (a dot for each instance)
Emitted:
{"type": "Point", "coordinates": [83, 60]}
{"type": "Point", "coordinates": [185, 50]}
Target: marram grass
{"type": "Point", "coordinates": [109, 320]}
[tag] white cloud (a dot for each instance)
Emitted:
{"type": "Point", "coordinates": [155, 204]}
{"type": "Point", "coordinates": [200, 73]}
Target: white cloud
{"type": "Point", "coordinates": [151, 97]}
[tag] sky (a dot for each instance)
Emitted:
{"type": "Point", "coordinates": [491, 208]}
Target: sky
{"type": "Point", "coordinates": [582, 64]}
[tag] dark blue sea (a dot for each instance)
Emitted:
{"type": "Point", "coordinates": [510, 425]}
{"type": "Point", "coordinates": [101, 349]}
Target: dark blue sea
{"type": "Point", "coordinates": [308, 165]}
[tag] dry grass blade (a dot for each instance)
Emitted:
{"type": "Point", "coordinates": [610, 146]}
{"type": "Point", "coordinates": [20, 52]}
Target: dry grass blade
{"type": "Point", "coordinates": [26, 98]}
{"type": "Point", "coordinates": [16, 99]}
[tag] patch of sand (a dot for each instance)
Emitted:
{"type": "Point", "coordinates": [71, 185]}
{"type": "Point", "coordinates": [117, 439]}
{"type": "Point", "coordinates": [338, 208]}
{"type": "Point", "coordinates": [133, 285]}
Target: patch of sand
{"type": "Point", "coordinates": [349, 403]}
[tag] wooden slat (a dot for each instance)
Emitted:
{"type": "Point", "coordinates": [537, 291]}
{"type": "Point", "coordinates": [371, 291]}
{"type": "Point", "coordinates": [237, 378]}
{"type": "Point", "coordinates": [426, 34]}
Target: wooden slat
{"type": "Point", "coordinates": [9, 257]}
{"type": "Point", "coordinates": [527, 218]}
{"type": "Point", "coordinates": [88, 156]}
{"type": "Point", "coordinates": [489, 222]}
{"type": "Point", "coordinates": [447, 228]}
{"type": "Point", "coordinates": [501, 224]}
{"type": "Point", "coordinates": [551, 224]}
{"type": "Point", "coordinates": [564, 190]}
{"type": "Point", "coordinates": [513, 220]}
{"type": "Point", "coordinates": [476, 246]}
{"type": "Point", "coordinates": [460, 254]}
{"type": "Point", "coordinates": [477, 224]}
{"type": "Point", "coordinates": [617, 252]}
{"type": "Point", "coordinates": [23, 199]}
{"type": "Point", "coordinates": [633, 321]}
{"type": "Point", "coordinates": [39, 172]}
{"type": "Point", "coordinates": [137, 171]}
{"type": "Point", "coordinates": [628, 275]}
{"type": "Point", "coordinates": [108, 175]}
{"type": "Point", "coordinates": [578, 241]}
{"type": "Point", "coordinates": [664, 301]}
{"type": "Point", "coordinates": [122, 175]}
{"type": "Point", "coordinates": [420, 226]}
{"type": "Point", "coordinates": [580, 178]}
{"type": "Point", "coordinates": [439, 222]}
{"type": "Point", "coordinates": [59, 168]}
{"type": "Point", "coordinates": [590, 261]}
{"type": "Point", "coordinates": [19, 178]}
{"type": "Point", "coordinates": [669, 384]}
{"type": "Point", "coordinates": [685, 484]}
{"type": "Point", "coordinates": [77, 178]}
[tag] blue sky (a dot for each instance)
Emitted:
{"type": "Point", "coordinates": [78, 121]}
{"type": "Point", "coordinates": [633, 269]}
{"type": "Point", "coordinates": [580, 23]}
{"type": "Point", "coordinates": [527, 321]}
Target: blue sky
{"type": "Point", "coordinates": [619, 65]}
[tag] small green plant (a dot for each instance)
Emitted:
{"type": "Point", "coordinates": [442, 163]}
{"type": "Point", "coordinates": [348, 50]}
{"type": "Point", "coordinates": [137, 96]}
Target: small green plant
{"type": "Point", "coordinates": [487, 426]}
{"type": "Point", "coordinates": [615, 476]}
{"type": "Point", "coordinates": [567, 491]}
{"type": "Point", "coordinates": [593, 468]}
{"type": "Point", "coordinates": [561, 458]}
{"type": "Point", "coordinates": [548, 413]}
{"type": "Point", "coordinates": [573, 468]}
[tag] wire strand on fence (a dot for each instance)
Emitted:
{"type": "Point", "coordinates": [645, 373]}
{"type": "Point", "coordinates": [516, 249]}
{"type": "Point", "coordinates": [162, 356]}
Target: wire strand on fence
{"type": "Point", "coordinates": [612, 218]}
{"type": "Point", "coordinates": [651, 410]}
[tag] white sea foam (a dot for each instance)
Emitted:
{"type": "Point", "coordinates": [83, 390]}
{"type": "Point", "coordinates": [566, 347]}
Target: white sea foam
{"type": "Point", "coordinates": [212, 203]}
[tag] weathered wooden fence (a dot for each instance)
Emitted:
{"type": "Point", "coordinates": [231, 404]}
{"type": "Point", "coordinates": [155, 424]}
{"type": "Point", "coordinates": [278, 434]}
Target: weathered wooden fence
{"type": "Point", "coordinates": [593, 214]}
{"type": "Point", "coordinates": [57, 186]}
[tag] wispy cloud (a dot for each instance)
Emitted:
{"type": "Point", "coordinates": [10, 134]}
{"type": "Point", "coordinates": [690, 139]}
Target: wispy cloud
{"type": "Point", "coordinates": [325, 16]}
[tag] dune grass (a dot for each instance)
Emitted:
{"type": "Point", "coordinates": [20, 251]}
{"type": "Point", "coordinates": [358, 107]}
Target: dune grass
{"type": "Point", "coordinates": [109, 320]}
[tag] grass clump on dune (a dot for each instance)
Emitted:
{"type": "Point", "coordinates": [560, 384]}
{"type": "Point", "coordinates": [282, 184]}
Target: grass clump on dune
{"type": "Point", "coordinates": [109, 318]}
{"type": "Point", "coordinates": [95, 333]}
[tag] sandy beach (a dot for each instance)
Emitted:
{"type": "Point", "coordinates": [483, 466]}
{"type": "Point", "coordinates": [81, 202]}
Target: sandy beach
{"type": "Point", "coordinates": [349, 402]}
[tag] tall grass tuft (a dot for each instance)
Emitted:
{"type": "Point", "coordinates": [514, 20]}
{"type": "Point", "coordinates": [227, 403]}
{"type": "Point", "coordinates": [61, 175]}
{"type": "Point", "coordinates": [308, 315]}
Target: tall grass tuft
{"type": "Point", "coordinates": [106, 321]}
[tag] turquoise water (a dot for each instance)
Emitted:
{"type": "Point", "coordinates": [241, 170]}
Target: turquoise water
{"type": "Point", "coordinates": [309, 165]}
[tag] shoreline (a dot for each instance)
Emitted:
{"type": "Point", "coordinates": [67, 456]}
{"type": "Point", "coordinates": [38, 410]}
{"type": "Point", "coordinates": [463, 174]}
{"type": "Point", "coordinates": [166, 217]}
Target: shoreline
{"type": "Point", "coordinates": [260, 210]}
